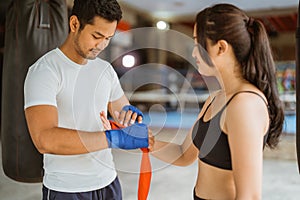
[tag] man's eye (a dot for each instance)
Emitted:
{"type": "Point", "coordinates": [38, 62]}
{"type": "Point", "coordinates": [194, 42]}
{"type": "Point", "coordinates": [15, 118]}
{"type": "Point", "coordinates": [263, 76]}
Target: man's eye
{"type": "Point", "coordinates": [97, 38]}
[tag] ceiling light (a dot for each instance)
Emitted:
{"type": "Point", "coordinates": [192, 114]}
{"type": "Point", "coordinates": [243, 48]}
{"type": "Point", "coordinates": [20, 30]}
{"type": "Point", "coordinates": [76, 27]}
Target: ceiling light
{"type": "Point", "coordinates": [162, 25]}
{"type": "Point", "coordinates": [128, 61]}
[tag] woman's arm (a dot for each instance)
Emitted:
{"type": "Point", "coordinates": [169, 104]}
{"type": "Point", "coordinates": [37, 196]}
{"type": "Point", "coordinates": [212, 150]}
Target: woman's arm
{"type": "Point", "coordinates": [177, 154]}
{"type": "Point", "coordinates": [246, 123]}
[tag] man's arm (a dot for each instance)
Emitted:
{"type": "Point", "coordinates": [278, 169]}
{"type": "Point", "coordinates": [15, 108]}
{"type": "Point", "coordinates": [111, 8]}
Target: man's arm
{"type": "Point", "coordinates": [42, 121]}
{"type": "Point", "coordinates": [115, 107]}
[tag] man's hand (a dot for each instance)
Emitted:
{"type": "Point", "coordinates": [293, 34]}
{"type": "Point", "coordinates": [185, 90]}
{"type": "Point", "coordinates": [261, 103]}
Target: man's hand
{"type": "Point", "coordinates": [131, 137]}
{"type": "Point", "coordinates": [107, 126]}
{"type": "Point", "coordinates": [129, 115]}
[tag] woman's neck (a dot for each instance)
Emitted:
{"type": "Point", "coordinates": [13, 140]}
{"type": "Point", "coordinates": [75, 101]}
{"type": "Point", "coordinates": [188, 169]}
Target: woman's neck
{"type": "Point", "coordinates": [231, 82]}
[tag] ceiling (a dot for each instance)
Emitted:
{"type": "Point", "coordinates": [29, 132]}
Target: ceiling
{"type": "Point", "coordinates": [277, 15]}
{"type": "Point", "coordinates": [168, 9]}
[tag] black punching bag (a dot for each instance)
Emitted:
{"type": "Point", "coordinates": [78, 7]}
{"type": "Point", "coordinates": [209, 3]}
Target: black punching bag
{"type": "Point", "coordinates": [33, 27]}
{"type": "Point", "coordinates": [298, 87]}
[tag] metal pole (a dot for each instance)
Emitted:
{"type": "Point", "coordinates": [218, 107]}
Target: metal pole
{"type": "Point", "coordinates": [298, 88]}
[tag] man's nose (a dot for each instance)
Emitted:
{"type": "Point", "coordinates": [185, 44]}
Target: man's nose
{"type": "Point", "coordinates": [101, 45]}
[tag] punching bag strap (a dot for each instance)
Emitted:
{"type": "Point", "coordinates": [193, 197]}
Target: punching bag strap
{"type": "Point", "coordinates": [44, 14]}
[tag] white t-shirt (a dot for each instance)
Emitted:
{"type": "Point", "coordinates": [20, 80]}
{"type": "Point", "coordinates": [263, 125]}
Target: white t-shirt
{"type": "Point", "coordinates": [79, 92]}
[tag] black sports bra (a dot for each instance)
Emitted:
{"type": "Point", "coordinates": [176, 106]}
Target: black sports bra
{"type": "Point", "coordinates": [212, 142]}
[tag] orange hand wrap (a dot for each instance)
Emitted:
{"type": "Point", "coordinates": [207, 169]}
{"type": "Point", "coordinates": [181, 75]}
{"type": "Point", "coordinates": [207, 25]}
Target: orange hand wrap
{"type": "Point", "coordinates": [145, 169]}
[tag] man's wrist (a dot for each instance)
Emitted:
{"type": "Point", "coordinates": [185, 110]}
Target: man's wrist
{"type": "Point", "coordinates": [132, 137]}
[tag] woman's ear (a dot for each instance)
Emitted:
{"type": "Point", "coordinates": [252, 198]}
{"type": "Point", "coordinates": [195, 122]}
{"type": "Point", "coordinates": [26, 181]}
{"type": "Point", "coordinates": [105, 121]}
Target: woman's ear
{"type": "Point", "coordinates": [74, 23]}
{"type": "Point", "coordinates": [223, 47]}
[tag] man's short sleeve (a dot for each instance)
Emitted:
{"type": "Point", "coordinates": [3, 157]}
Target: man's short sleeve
{"type": "Point", "coordinates": [41, 86]}
{"type": "Point", "coordinates": [117, 91]}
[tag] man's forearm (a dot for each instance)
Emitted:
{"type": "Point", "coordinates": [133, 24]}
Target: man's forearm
{"type": "Point", "coordinates": [69, 142]}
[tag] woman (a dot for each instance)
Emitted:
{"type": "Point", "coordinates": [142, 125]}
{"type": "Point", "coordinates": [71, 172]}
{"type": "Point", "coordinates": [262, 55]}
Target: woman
{"type": "Point", "coordinates": [239, 120]}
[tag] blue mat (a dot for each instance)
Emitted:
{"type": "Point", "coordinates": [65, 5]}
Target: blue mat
{"type": "Point", "coordinates": [290, 124]}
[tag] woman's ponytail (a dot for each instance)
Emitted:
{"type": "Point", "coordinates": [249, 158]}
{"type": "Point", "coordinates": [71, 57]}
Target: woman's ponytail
{"type": "Point", "coordinates": [260, 70]}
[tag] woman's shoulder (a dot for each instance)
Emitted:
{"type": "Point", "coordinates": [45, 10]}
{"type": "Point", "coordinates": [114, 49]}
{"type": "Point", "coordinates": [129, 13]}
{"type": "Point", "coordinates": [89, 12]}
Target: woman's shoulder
{"type": "Point", "coordinates": [247, 105]}
{"type": "Point", "coordinates": [247, 98]}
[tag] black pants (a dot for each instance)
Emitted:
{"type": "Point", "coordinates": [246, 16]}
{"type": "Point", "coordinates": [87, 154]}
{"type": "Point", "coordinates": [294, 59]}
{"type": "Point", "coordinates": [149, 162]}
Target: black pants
{"type": "Point", "coordinates": [110, 192]}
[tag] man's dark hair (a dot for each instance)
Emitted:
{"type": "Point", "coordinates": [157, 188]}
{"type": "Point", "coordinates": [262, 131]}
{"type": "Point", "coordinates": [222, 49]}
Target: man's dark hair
{"type": "Point", "coordinates": [86, 10]}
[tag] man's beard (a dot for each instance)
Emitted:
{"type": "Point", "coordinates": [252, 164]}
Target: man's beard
{"type": "Point", "coordinates": [80, 52]}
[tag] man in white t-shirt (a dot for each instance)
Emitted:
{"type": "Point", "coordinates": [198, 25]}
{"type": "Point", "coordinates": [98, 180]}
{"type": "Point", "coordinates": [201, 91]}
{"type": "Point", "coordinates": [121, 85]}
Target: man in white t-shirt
{"type": "Point", "coordinates": [65, 90]}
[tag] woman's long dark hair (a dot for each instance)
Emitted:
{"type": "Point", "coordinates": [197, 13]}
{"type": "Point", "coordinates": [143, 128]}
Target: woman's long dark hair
{"type": "Point", "coordinates": [250, 44]}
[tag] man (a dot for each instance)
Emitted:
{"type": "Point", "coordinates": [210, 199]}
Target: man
{"type": "Point", "coordinates": [65, 90]}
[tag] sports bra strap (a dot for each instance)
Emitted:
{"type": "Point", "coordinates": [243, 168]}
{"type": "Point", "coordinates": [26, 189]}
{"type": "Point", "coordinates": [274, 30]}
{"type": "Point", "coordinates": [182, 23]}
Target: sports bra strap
{"type": "Point", "coordinates": [208, 107]}
{"type": "Point", "coordinates": [247, 91]}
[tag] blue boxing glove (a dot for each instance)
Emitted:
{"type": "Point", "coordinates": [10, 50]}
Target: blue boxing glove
{"type": "Point", "coordinates": [133, 109]}
{"type": "Point", "coordinates": [132, 137]}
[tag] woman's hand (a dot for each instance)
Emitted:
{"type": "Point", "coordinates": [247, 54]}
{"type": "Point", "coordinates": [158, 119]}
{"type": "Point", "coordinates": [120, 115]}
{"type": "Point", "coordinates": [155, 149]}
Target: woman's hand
{"type": "Point", "coordinates": [151, 140]}
{"type": "Point", "coordinates": [105, 121]}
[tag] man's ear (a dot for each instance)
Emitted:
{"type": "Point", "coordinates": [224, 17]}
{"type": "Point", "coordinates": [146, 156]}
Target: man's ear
{"type": "Point", "coordinates": [223, 47]}
{"type": "Point", "coordinates": [74, 23]}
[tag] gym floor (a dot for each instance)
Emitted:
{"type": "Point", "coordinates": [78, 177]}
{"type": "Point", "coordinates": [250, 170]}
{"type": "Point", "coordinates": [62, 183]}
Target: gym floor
{"type": "Point", "coordinates": [281, 180]}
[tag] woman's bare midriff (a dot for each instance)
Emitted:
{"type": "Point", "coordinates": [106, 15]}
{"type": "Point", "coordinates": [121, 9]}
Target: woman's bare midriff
{"type": "Point", "coordinates": [214, 183]}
